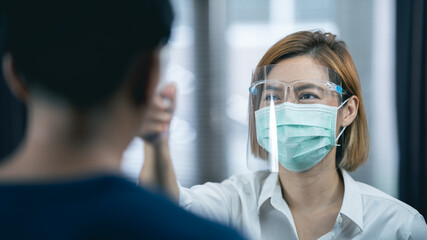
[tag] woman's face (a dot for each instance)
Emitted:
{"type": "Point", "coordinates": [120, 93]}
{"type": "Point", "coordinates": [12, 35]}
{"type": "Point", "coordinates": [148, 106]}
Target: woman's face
{"type": "Point", "coordinates": [301, 80]}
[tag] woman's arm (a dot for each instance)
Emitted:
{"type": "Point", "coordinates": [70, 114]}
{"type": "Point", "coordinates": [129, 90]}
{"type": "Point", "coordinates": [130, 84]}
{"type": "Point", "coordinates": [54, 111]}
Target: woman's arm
{"type": "Point", "coordinates": [157, 171]}
{"type": "Point", "coordinates": [418, 228]}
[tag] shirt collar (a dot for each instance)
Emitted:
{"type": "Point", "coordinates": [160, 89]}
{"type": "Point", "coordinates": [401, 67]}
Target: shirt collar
{"type": "Point", "coordinates": [352, 205]}
{"type": "Point", "coordinates": [268, 188]}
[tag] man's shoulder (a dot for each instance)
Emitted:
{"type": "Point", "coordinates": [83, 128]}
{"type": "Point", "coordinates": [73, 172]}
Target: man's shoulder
{"type": "Point", "coordinates": [107, 207]}
{"type": "Point", "coordinates": [168, 220]}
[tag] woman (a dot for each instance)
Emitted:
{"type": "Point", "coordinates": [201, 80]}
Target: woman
{"type": "Point", "coordinates": [305, 94]}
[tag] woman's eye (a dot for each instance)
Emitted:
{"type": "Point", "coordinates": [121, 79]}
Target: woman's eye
{"type": "Point", "coordinates": [307, 96]}
{"type": "Point", "coordinates": [271, 98]}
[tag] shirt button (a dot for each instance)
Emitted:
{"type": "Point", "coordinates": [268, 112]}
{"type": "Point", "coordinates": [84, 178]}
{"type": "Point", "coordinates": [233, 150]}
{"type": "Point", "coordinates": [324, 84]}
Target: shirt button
{"type": "Point", "coordinates": [339, 220]}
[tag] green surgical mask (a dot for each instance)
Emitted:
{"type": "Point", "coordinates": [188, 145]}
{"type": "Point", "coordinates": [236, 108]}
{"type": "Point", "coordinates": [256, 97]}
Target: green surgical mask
{"type": "Point", "coordinates": [305, 133]}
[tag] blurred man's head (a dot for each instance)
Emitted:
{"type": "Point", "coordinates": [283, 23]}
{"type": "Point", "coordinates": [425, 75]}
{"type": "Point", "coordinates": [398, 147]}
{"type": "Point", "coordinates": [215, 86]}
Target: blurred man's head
{"type": "Point", "coordinates": [83, 52]}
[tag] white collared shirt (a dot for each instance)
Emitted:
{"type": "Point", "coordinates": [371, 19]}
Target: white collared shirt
{"type": "Point", "coordinates": [254, 205]}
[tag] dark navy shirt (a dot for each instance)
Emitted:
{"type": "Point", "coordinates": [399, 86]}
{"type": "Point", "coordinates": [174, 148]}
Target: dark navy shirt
{"type": "Point", "coordinates": [106, 207]}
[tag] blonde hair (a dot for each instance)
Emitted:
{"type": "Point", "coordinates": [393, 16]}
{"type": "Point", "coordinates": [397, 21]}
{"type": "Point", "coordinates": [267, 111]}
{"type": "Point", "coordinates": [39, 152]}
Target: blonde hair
{"type": "Point", "coordinates": [331, 53]}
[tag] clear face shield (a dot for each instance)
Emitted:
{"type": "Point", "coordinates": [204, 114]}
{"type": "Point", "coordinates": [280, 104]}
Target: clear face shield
{"type": "Point", "coordinates": [294, 113]}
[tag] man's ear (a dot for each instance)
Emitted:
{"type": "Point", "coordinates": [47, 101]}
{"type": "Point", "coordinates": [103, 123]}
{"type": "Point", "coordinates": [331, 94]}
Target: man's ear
{"type": "Point", "coordinates": [349, 111]}
{"type": "Point", "coordinates": [13, 79]}
{"type": "Point", "coordinates": [145, 75]}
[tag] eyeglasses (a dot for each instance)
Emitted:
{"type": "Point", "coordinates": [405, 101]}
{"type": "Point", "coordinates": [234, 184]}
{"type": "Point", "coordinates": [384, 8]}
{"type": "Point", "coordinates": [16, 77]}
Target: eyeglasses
{"type": "Point", "coordinates": [300, 92]}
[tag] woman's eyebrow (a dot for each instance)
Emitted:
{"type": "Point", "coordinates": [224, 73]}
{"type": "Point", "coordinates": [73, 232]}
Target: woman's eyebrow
{"type": "Point", "coordinates": [307, 86]}
{"type": "Point", "coordinates": [274, 88]}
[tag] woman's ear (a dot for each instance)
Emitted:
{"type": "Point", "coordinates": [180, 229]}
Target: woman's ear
{"type": "Point", "coordinates": [13, 79]}
{"type": "Point", "coordinates": [349, 111]}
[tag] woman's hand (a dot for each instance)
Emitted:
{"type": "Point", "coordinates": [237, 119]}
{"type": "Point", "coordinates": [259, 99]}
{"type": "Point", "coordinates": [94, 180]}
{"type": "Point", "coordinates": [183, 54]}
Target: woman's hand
{"type": "Point", "coordinates": [159, 115]}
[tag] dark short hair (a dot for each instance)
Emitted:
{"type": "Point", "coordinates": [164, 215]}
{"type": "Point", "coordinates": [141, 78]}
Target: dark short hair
{"type": "Point", "coordinates": [80, 50]}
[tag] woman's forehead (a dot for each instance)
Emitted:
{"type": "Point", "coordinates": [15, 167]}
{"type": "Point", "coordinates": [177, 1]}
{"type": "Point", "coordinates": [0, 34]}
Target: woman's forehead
{"type": "Point", "coordinates": [298, 68]}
